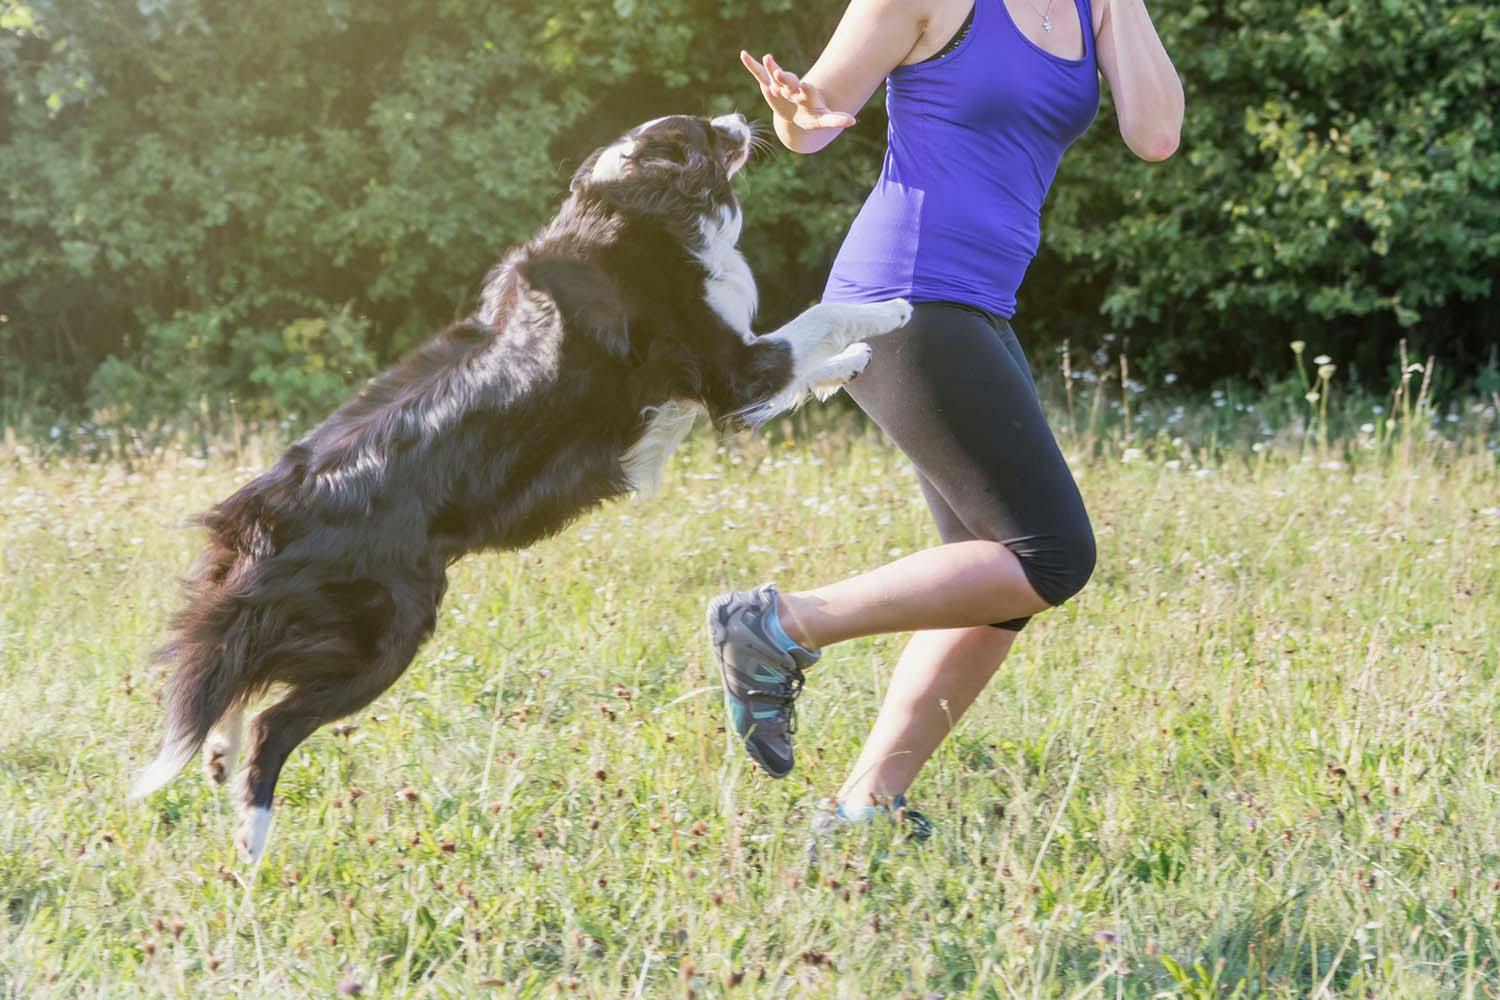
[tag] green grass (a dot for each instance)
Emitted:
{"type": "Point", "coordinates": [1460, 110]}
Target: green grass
{"type": "Point", "coordinates": [1258, 756]}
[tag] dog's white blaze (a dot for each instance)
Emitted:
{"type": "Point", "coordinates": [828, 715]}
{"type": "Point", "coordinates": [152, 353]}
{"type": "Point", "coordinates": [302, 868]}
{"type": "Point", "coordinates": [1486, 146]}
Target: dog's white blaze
{"type": "Point", "coordinates": [730, 287]}
{"type": "Point", "coordinates": [255, 830]}
{"type": "Point", "coordinates": [666, 426]}
{"type": "Point", "coordinates": [611, 163]}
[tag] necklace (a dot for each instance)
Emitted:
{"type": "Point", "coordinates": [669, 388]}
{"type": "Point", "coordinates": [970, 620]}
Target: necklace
{"type": "Point", "coordinates": [1046, 14]}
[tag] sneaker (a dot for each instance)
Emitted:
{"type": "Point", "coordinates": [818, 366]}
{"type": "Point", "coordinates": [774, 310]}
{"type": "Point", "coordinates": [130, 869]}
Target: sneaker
{"type": "Point", "coordinates": [834, 818]}
{"type": "Point", "coordinates": [761, 676]}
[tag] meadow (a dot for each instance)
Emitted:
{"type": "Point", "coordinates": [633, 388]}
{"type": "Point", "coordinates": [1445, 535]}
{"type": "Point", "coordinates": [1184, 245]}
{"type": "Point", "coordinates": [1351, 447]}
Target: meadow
{"type": "Point", "coordinates": [1257, 756]}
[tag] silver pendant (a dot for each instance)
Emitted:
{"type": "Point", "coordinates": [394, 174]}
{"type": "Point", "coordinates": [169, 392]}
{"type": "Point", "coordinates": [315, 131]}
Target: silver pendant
{"type": "Point", "coordinates": [1046, 23]}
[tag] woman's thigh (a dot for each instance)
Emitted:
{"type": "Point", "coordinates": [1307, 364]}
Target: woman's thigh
{"type": "Point", "coordinates": [953, 390]}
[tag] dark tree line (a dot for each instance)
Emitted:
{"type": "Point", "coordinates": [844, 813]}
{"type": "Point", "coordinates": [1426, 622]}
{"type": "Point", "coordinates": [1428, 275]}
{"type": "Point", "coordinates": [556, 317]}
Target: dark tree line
{"type": "Point", "coordinates": [205, 199]}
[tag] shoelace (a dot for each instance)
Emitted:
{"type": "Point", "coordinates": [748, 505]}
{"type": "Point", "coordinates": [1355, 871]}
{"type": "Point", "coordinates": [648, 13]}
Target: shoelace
{"type": "Point", "coordinates": [787, 695]}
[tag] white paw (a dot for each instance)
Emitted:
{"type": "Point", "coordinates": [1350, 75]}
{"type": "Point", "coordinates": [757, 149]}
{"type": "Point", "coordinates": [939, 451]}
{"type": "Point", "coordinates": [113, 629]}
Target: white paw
{"type": "Point", "coordinates": [217, 763]}
{"type": "Point", "coordinates": [891, 315]}
{"type": "Point", "coordinates": [221, 751]}
{"type": "Point", "coordinates": [831, 376]}
{"type": "Point", "coordinates": [254, 829]}
{"type": "Point", "coordinates": [824, 391]}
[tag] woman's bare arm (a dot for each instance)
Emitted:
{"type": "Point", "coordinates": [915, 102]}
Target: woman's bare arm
{"type": "Point", "coordinates": [1147, 93]}
{"type": "Point", "coordinates": [873, 38]}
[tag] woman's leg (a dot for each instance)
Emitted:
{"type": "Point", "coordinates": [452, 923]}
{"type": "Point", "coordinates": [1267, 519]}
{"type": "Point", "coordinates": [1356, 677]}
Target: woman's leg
{"type": "Point", "coordinates": [953, 586]}
{"type": "Point", "coordinates": [954, 391]}
{"type": "Point", "coordinates": [939, 675]}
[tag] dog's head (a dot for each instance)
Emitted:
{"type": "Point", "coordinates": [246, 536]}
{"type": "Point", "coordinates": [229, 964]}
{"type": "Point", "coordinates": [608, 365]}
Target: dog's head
{"type": "Point", "coordinates": [679, 157]}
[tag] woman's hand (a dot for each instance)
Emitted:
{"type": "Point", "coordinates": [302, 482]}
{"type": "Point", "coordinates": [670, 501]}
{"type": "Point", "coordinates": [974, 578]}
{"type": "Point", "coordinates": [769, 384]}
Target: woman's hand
{"type": "Point", "coordinates": [793, 100]}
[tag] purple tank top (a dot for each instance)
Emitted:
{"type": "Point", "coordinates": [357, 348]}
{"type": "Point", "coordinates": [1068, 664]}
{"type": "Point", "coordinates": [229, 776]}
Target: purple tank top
{"type": "Point", "coordinates": [974, 142]}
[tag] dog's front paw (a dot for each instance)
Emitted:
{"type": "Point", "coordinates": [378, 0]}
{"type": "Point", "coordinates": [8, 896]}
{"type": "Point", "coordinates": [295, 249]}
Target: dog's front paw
{"type": "Point", "coordinates": [891, 315]}
{"type": "Point", "coordinates": [832, 375]}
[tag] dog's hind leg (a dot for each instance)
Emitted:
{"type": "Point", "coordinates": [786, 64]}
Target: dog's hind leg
{"type": "Point", "coordinates": [221, 750]}
{"type": "Point", "coordinates": [274, 734]}
{"type": "Point", "coordinates": [341, 682]}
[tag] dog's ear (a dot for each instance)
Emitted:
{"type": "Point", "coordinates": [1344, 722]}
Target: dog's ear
{"type": "Point", "coordinates": [586, 298]}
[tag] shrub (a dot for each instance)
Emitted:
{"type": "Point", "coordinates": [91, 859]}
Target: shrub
{"type": "Point", "coordinates": [185, 181]}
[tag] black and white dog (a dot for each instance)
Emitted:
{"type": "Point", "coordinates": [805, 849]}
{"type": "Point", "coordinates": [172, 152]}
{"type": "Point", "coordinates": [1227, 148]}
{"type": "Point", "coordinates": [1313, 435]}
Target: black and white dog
{"type": "Point", "coordinates": [596, 345]}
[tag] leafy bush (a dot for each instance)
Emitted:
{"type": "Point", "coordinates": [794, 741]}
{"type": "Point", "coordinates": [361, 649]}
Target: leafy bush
{"type": "Point", "coordinates": [1338, 183]}
{"type": "Point", "coordinates": [186, 181]}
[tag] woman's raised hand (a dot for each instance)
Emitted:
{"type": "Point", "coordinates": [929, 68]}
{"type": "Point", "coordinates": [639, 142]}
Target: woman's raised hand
{"type": "Point", "coordinates": [793, 100]}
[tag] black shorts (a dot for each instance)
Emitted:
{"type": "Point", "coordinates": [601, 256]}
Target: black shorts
{"type": "Point", "coordinates": [953, 390]}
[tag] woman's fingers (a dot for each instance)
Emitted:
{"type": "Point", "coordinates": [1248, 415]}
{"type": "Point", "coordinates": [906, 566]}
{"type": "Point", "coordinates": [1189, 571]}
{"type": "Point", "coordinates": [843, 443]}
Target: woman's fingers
{"type": "Point", "coordinates": [791, 87]}
{"type": "Point", "coordinates": [782, 82]}
{"type": "Point", "coordinates": [779, 84]}
{"type": "Point", "coordinates": [810, 97]}
{"type": "Point", "coordinates": [756, 69]}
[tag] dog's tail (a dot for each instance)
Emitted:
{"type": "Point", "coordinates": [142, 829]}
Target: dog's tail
{"type": "Point", "coordinates": [213, 645]}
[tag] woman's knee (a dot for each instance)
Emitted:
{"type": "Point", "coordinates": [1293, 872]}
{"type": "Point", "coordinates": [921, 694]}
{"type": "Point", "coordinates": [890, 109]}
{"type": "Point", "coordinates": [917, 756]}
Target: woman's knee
{"type": "Point", "coordinates": [1058, 566]}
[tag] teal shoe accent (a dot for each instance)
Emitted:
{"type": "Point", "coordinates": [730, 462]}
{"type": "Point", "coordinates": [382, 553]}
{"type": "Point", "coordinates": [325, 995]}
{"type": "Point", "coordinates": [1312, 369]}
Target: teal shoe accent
{"type": "Point", "coordinates": [737, 713]}
{"type": "Point", "coordinates": [768, 676]}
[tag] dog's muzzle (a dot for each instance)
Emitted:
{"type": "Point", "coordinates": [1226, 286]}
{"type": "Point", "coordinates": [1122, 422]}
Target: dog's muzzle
{"type": "Point", "coordinates": [738, 129]}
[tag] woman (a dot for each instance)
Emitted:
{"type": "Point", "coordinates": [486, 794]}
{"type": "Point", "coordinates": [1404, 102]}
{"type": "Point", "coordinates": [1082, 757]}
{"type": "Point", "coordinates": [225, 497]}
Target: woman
{"type": "Point", "coordinates": [983, 98]}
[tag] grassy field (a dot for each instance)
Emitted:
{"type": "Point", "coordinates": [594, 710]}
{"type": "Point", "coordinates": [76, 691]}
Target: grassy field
{"type": "Point", "coordinates": [1258, 756]}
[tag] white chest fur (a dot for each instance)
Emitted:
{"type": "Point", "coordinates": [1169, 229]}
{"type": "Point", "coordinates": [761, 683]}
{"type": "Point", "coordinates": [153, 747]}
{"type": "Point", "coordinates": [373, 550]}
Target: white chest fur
{"type": "Point", "coordinates": [730, 287]}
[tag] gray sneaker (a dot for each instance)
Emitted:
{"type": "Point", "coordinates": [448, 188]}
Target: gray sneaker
{"type": "Point", "coordinates": [761, 680]}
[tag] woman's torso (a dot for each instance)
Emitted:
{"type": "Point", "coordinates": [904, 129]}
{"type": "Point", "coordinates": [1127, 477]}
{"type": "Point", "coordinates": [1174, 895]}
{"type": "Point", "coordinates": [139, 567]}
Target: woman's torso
{"type": "Point", "coordinates": [974, 142]}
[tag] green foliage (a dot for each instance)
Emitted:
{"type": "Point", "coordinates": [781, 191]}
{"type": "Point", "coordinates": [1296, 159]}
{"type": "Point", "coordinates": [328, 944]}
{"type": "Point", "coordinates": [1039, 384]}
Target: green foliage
{"type": "Point", "coordinates": [1338, 182]}
{"type": "Point", "coordinates": [185, 180]}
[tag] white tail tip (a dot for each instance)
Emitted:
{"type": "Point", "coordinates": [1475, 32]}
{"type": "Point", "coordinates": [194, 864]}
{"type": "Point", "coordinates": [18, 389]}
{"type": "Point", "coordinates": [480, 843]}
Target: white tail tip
{"type": "Point", "coordinates": [167, 765]}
